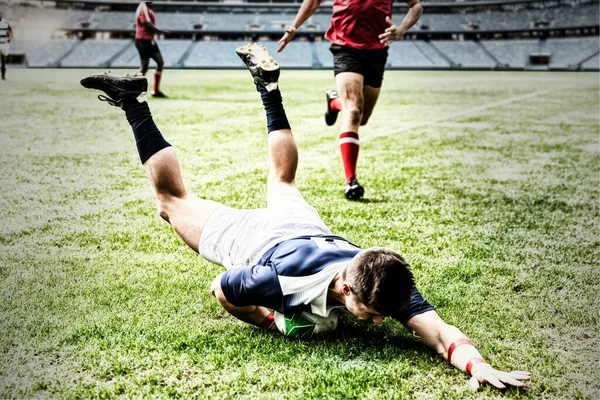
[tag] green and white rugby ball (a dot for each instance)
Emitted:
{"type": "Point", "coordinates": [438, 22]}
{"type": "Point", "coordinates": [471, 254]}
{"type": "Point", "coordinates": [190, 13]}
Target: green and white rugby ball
{"type": "Point", "coordinates": [305, 324]}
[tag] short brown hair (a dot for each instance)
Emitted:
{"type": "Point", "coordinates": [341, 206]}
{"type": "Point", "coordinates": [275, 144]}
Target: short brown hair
{"type": "Point", "coordinates": [381, 279]}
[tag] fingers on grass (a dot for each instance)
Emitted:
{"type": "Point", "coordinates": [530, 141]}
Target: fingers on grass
{"type": "Point", "coordinates": [492, 379]}
{"type": "Point", "coordinates": [474, 384]}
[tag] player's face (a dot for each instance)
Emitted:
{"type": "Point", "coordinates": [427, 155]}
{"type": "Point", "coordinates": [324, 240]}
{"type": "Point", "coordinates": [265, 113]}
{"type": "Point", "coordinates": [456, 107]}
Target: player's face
{"type": "Point", "coordinates": [362, 312]}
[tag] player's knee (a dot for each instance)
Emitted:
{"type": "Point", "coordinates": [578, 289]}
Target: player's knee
{"type": "Point", "coordinates": [165, 204]}
{"type": "Point", "coordinates": [355, 113]}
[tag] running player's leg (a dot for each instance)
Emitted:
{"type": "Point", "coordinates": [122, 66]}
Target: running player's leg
{"type": "Point", "coordinates": [370, 94]}
{"type": "Point", "coordinates": [157, 56]}
{"type": "Point", "coordinates": [186, 213]}
{"type": "Point", "coordinates": [350, 89]}
{"type": "Point", "coordinates": [3, 65]}
{"type": "Point", "coordinates": [144, 63]}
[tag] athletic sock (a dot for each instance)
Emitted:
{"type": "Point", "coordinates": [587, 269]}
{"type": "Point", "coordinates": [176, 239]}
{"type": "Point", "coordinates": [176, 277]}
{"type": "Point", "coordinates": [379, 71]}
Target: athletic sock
{"type": "Point", "coordinates": [276, 118]}
{"type": "Point", "coordinates": [335, 104]}
{"type": "Point", "coordinates": [148, 138]}
{"type": "Point", "coordinates": [349, 146]}
{"type": "Point", "coordinates": [157, 76]}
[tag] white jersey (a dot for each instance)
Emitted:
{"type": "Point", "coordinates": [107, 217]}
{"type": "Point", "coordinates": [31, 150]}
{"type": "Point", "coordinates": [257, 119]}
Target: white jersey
{"type": "Point", "coordinates": [4, 27]}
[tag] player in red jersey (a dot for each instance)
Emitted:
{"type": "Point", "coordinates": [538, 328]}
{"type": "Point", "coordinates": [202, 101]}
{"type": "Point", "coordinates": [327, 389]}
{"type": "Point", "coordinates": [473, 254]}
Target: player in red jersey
{"type": "Point", "coordinates": [360, 33]}
{"type": "Point", "coordinates": [145, 42]}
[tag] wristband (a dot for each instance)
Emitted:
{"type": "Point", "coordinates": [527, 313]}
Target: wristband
{"type": "Point", "coordinates": [472, 362]}
{"type": "Point", "coordinates": [268, 321]}
{"type": "Point", "coordinates": [454, 345]}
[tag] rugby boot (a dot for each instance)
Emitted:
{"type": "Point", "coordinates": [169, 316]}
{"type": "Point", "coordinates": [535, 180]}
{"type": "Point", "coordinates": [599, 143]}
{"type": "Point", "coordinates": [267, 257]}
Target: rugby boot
{"type": "Point", "coordinates": [331, 114]}
{"type": "Point", "coordinates": [354, 190]}
{"type": "Point", "coordinates": [159, 94]}
{"type": "Point", "coordinates": [263, 68]}
{"type": "Point", "coordinates": [117, 87]}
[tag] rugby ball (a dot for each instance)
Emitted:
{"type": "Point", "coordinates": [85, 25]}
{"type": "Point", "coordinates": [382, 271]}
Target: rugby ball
{"type": "Point", "coordinates": [305, 324]}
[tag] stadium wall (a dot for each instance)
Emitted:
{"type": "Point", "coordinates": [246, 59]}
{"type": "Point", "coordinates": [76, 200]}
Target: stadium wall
{"type": "Point", "coordinates": [521, 35]}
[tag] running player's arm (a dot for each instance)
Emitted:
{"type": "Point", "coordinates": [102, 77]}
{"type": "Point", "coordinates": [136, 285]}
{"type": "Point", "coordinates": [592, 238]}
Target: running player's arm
{"type": "Point", "coordinates": [150, 27]}
{"type": "Point", "coordinates": [9, 33]}
{"type": "Point", "coordinates": [307, 9]}
{"type": "Point", "coordinates": [394, 32]}
{"type": "Point", "coordinates": [452, 345]}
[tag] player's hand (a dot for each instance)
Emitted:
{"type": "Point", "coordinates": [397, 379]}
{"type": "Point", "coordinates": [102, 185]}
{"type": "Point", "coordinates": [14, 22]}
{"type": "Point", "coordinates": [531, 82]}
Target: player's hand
{"type": "Point", "coordinates": [286, 38]}
{"type": "Point", "coordinates": [483, 373]}
{"type": "Point", "coordinates": [391, 33]}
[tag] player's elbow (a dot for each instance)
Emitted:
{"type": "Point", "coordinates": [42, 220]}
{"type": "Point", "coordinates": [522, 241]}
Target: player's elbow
{"type": "Point", "coordinates": [215, 290]}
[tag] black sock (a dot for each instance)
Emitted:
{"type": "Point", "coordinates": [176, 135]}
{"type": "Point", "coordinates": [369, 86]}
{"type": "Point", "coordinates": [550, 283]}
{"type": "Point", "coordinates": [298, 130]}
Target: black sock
{"type": "Point", "coordinates": [148, 138]}
{"type": "Point", "coordinates": [276, 118]}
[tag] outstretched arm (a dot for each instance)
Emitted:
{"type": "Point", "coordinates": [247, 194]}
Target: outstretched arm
{"type": "Point", "coordinates": [307, 9]}
{"type": "Point", "coordinates": [450, 343]}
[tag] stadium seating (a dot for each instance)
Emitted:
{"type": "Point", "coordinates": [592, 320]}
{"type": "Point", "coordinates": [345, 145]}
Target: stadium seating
{"type": "Point", "coordinates": [465, 54]}
{"type": "Point", "coordinates": [96, 53]}
{"type": "Point", "coordinates": [205, 37]}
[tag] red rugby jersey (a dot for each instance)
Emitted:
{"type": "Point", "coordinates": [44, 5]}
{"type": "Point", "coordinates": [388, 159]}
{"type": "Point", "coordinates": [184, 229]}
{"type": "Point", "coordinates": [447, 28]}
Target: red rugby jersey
{"type": "Point", "coordinates": [358, 23]}
{"type": "Point", "coordinates": [142, 15]}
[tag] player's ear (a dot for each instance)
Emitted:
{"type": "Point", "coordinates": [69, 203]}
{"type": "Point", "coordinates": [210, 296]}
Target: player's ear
{"type": "Point", "coordinates": [346, 289]}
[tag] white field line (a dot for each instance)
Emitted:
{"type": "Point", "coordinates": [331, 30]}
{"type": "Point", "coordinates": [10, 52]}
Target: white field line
{"type": "Point", "coordinates": [471, 111]}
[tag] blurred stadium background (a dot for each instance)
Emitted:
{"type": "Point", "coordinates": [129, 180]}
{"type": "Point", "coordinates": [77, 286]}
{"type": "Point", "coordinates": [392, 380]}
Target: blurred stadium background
{"type": "Point", "coordinates": [451, 34]}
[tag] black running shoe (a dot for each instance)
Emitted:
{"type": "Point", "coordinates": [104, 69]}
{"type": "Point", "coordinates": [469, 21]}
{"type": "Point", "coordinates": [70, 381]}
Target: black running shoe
{"type": "Point", "coordinates": [354, 190]}
{"type": "Point", "coordinates": [117, 87]}
{"type": "Point", "coordinates": [261, 65]}
{"type": "Point", "coordinates": [331, 115]}
{"type": "Point", "coordinates": [159, 94]}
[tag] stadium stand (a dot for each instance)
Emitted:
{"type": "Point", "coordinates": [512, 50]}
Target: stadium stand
{"type": "Point", "coordinates": [474, 34]}
{"type": "Point", "coordinates": [466, 54]}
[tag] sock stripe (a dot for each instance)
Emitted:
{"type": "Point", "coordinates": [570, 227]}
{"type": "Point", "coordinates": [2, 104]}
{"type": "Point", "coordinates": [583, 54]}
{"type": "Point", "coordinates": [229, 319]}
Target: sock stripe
{"type": "Point", "coordinates": [349, 140]}
{"type": "Point", "coordinates": [349, 134]}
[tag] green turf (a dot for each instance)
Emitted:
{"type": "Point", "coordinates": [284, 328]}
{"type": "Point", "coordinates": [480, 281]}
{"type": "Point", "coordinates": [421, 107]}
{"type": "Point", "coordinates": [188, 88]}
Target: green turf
{"type": "Point", "coordinates": [487, 182]}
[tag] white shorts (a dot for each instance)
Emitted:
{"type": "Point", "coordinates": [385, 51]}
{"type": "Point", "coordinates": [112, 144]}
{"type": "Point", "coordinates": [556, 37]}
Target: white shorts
{"type": "Point", "coordinates": [237, 238]}
{"type": "Point", "coordinates": [4, 48]}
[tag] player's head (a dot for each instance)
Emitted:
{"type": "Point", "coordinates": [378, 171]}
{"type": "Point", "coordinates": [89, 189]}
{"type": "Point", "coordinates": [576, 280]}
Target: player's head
{"type": "Point", "coordinates": [378, 283]}
{"type": "Point", "coordinates": [148, 3]}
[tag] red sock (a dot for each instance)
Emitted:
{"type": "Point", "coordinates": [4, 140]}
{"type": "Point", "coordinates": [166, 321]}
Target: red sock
{"type": "Point", "coordinates": [157, 76]}
{"type": "Point", "coordinates": [335, 104]}
{"type": "Point", "coordinates": [349, 146]}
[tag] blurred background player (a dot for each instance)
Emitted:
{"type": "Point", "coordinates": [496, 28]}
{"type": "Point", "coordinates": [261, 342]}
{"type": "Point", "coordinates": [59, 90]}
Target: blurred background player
{"type": "Point", "coordinates": [145, 42]}
{"type": "Point", "coordinates": [5, 38]}
{"type": "Point", "coordinates": [360, 33]}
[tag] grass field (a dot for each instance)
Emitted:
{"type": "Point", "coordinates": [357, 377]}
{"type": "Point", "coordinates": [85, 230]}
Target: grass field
{"type": "Point", "coordinates": [487, 182]}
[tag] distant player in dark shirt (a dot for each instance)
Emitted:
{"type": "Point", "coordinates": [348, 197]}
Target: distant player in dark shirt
{"type": "Point", "coordinates": [360, 33]}
{"type": "Point", "coordinates": [145, 42]}
{"type": "Point", "coordinates": [284, 257]}
{"type": "Point", "coordinates": [5, 38]}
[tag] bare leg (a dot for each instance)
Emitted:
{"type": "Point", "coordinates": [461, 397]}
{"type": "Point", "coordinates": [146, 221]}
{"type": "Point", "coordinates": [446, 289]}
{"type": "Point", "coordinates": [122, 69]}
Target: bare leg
{"type": "Point", "coordinates": [371, 94]}
{"type": "Point", "coordinates": [350, 88]}
{"type": "Point", "coordinates": [283, 157]}
{"type": "Point", "coordinates": [186, 213]}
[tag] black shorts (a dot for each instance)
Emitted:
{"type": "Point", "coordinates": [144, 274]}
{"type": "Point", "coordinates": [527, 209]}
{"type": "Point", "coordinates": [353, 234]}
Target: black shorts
{"type": "Point", "coordinates": [146, 48]}
{"type": "Point", "coordinates": [368, 63]}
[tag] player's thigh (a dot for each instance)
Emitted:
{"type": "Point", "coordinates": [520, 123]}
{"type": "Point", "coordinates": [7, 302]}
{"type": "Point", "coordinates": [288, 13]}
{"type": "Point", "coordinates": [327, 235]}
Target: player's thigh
{"type": "Point", "coordinates": [371, 94]}
{"type": "Point", "coordinates": [350, 88]}
{"type": "Point", "coordinates": [188, 216]}
{"type": "Point", "coordinates": [278, 192]}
